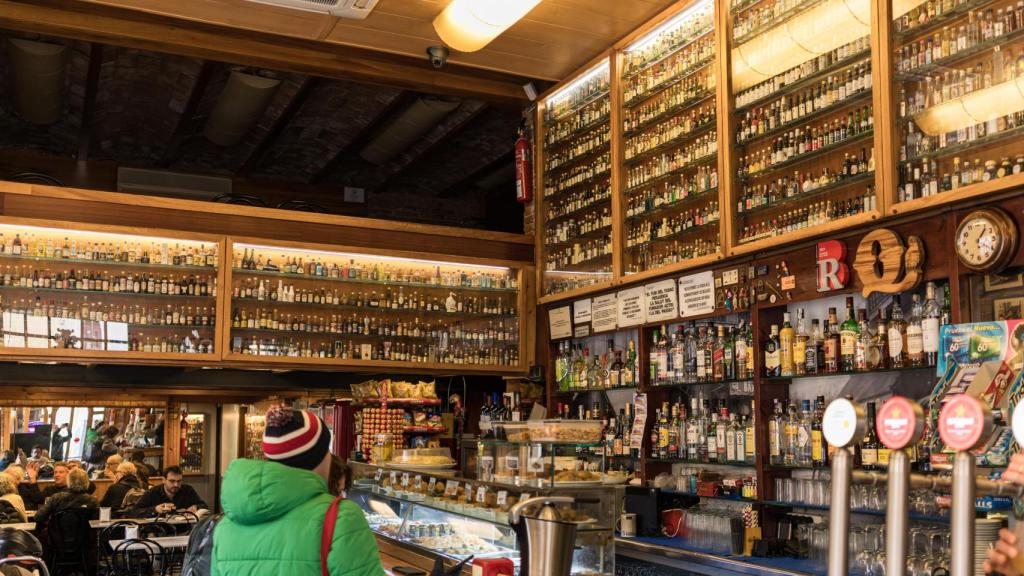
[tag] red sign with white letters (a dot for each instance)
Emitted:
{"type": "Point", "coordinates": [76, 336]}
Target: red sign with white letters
{"type": "Point", "coordinates": [896, 422]}
{"type": "Point", "coordinates": [962, 423]}
{"type": "Point", "coordinates": [833, 273]}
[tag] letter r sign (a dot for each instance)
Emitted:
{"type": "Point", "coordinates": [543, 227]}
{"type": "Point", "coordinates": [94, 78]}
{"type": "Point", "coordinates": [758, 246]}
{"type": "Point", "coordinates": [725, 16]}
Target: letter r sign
{"type": "Point", "coordinates": [833, 274]}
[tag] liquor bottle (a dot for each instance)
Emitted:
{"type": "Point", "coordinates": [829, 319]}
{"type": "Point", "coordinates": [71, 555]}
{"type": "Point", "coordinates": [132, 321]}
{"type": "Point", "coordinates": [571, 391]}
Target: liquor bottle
{"type": "Point", "coordinates": [721, 433]}
{"type": "Point", "coordinates": [656, 435]}
{"type": "Point", "coordinates": [693, 432]}
{"type": "Point", "coordinates": [616, 366]}
{"type": "Point", "coordinates": [775, 427]}
{"type": "Point", "coordinates": [800, 345]}
{"type": "Point", "coordinates": [617, 442]}
{"type": "Point", "coordinates": [915, 333]}
{"type": "Point", "coordinates": [750, 456]}
{"type": "Point", "coordinates": [812, 350]}
{"type": "Point", "coordinates": [772, 354]}
{"type": "Point", "coordinates": [867, 351]}
{"type": "Point", "coordinates": [729, 354]}
{"type": "Point", "coordinates": [804, 448]}
{"type": "Point", "coordinates": [897, 338]}
{"type": "Point", "coordinates": [690, 351]}
{"type": "Point", "coordinates": [629, 370]}
{"type": "Point", "coordinates": [718, 356]}
{"type": "Point", "coordinates": [733, 436]}
{"type": "Point", "coordinates": [653, 359]}
{"type": "Point", "coordinates": [742, 352]}
{"type": "Point", "coordinates": [672, 446]}
{"type": "Point", "coordinates": [930, 326]}
{"type": "Point", "coordinates": [869, 448]}
{"type": "Point", "coordinates": [882, 341]}
{"type": "Point", "coordinates": [711, 435]}
{"type": "Point", "coordinates": [819, 451]}
{"type": "Point", "coordinates": [702, 366]}
{"type": "Point", "coordinates": [678, 356]}
{"type": "Point", "coordinates": [849, 333]}
{"type": "Point", "coordinates": [561, 366]}
{"type": "Point", "coordinates": [831, 343]}
{"type": "Point", "coordinates": [790, 436]}
{"type": "Point", "coordinates": [786, 341]}
{"type": "Point", "coordinates": [947, 302]}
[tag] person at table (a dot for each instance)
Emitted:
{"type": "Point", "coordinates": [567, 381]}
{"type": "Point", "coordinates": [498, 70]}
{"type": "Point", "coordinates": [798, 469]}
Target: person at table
{"type": "Point", "coordinates": [26, 482]}
{"type": "Point", "coordinates": [142, 470]}
{"type": "Point", "coordinates": [125, 492]}
{"type": "Point", "coordinates": [109, 471]}
{"type": "Point", "coordinates": [60, 480]}
{"type": "Point", "coordinates": [168, 497]}
{"type": "Point", "coordinates": [58, 440]}
{"type": "Point", "coordinates": [75, 498]}
{"type": "Point", "coordinates": [9, 495]}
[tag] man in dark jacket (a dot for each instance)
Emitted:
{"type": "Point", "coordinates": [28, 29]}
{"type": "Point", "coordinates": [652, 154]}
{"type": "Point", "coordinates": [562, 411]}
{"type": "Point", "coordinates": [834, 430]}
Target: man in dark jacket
{"type": "Point", "coordinates": [27, 489]}
{"type": "Point", "coordinates": [76, 497]}
{"type": "Point", "coordinates": [170, 496]}
{"type": "Point", "coordinates": [142, 470]}
{"type": "Point", "coordinates": [127, 483]}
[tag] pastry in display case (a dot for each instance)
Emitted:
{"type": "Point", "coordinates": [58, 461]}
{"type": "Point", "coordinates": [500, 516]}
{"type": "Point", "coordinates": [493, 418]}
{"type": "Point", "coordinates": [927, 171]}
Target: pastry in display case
{"type": "Point", "coordinates": [457, 517]}
{"type": "Point", "coordinates": [349, 308]}
{"type": "Point", "coordinates": [670, 157]}
{"type": "Point", "coordinates": [576, 174]}
{"type": "Point", "coordinates": [409, 413]}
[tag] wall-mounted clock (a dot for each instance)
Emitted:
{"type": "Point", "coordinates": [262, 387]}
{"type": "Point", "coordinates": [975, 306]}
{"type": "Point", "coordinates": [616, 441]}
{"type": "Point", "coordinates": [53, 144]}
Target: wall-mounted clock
{"type": "Point", "coordinates": [986, 240]}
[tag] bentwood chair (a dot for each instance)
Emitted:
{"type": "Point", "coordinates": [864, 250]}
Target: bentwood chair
{"type": "Point", "coordinates": [139, 557]}
{"type": "Point", "coordinates": [67, 542]}
{"type": "Point", "coordinates": [104, 551]}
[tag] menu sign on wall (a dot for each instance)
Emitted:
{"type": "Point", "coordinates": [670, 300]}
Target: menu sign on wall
{"type": "Point", "coordinates": [581, 312]}
{"type": "Point", "coordinates": [661, 301]}
{"type": "Point", "coordinates": [697, 294]}
{"type": "Point", "coordinates": [631, 307]}
{"type": "Point", "coordinates": [560, 323]}
{"type": "Point", "coordinates": [604, 313]}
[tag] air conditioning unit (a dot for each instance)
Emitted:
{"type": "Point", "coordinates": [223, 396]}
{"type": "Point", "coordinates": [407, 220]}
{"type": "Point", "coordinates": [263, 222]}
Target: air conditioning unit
{"type": "Point", "coordinates": [171, 184]}
{"type": "Point", "coordinates": [354, 9]}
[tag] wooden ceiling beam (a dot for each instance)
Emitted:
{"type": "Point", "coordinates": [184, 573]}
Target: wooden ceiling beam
{"type": "Point", "coordinates": [363, 136]}
{"type": "Point", "coordinates": [118, 26]}
{"type": "Point", "coordinates": [92, 82]}
{"type": "Point", "coordinates": [187, 119]}
{"type": "Point", "coordinates": [289, 112]}
{"type": "Point", "coordinates": [459, 187]}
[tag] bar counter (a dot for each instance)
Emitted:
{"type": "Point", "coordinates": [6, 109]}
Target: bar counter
{"type": "Point", "coordinates": [657, 556]}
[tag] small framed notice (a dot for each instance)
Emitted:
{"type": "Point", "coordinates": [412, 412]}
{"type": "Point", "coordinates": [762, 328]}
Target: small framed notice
{"type": "Point", "coordinates": [560, 323]}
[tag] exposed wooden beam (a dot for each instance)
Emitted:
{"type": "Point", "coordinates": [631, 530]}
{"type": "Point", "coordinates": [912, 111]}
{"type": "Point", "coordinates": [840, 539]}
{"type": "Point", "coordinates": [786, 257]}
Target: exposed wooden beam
{"type": "Point", "coordinates": [466, 181]}
{"type": "Point", "coordinates": [187, 119]}
{"type": "Point", "coordinates": [398, 104]}
{"type": "Point", "coordinates": [92, 82]}
{"type": "Point", "coordinates": [118, 26]}
{"type": "Point", "coordinates": [434, 146]}
{"type": "Point", "coordinates": [282, 120]}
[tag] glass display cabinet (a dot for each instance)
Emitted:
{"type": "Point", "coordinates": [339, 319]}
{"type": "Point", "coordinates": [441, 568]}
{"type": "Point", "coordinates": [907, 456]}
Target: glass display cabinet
{"type": "Point", "coordinates": [305, 305]}
{"type": "Point", "coordinates": [670, 150]}
{"type": "Point", "coordinates": [802, 85]}
{"type": "Point", "coordinates": [455, 517]}
{"type": "Point", "coordinates": [576, 209]}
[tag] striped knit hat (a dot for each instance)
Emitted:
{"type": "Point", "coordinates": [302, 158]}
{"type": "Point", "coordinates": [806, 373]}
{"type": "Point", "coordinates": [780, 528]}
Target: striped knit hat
{"type": "Point", "coordinates": [296, 438]}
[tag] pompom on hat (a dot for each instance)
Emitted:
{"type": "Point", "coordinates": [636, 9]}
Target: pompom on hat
{"type": "Point", "coordinates": [297, 438]}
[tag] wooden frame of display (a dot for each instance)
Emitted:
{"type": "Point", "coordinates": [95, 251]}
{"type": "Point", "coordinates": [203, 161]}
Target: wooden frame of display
{"type": "Point", "coordinates": [232, 359]}
{"type": "Point", "coordinates": [121, 357]}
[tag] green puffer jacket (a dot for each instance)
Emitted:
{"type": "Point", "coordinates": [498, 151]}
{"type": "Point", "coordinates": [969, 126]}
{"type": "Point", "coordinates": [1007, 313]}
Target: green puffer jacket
{"type": "Point", "coordinates": [273, 518]}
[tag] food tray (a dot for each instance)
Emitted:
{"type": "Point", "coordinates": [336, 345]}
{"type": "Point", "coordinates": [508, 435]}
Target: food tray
{"type": "Point", "coordinates": [567, 431]}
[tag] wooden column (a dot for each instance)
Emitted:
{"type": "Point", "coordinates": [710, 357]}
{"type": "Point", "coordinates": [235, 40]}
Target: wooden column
{"type": "Point", "coordinates": [617, 178]}
{"type": "Point", "coordinates": [886, 138]}
{"type": "Point", "coordinates": [726, 127]}
{"type": "Point", "coordinates": [172, 435]}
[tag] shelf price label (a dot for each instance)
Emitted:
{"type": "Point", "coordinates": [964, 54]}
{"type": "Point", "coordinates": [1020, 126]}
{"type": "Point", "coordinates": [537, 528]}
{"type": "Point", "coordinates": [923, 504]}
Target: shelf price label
{"type": "Point", "coordinates": [417, 482]}
{"type": "Point", "coordinates": [512, 463]}
{"type": "Point", "coordinates": [451, 488]}
{"type": "Point", "coordinates": [481, 494]}
{"type": "Point", "coordinates": [405, 480]}
{"type": "Point", "coordinates": [430, 486]}
{"type": "Point", "coordinates": [394, 477]}
{"type": "Point", "coordinates": [379, 475]}
{"type": "Point", "coordinates": [502, 497]}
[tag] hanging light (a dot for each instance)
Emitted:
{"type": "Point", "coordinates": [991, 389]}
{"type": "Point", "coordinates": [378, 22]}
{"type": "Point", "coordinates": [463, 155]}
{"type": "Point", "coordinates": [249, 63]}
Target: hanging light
{"type": "Point", "coordinates": [469, 25]}
{"type": "Point", "coordinates": [977, 107]}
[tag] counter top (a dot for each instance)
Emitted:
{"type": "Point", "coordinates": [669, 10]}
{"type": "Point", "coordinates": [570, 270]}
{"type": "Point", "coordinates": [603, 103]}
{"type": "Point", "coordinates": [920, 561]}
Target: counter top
{"type": "Point", "coordinates": [674, 553]}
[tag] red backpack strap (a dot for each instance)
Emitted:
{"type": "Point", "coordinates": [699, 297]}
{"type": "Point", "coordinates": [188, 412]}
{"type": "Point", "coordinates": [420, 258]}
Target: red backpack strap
{"type": "Point", "coordinates": [327, 535]}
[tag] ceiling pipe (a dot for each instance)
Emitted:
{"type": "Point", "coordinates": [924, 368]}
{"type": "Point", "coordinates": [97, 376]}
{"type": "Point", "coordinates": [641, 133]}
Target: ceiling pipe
{"type": "Point", "coordinates": [415, 121]}
{"type": "Point", "coordinates": [239, 107]}
{"type": "Point", "coordinates": [38, 73]}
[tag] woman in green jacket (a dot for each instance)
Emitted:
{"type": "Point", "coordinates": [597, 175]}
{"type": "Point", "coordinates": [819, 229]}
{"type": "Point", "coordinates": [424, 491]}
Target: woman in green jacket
{"type": "Point", "coordinates": [274, 511]}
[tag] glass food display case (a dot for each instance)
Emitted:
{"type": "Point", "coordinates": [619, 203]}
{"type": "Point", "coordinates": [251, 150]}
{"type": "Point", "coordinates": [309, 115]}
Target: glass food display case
{"type": "Point", "coordinates": [441, 514]}
{"type": "Point", "coordinates": [670, 150]}
{"type": "Point", "coordinates": [576, 204]}
{"type": "Point", "coordinates": [344, 308]}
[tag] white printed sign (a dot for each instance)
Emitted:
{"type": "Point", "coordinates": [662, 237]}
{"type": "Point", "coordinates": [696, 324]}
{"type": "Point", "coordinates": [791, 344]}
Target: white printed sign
{"type": "Point", "coordinates": [631, 307]}
{"type": "Point", "coordinates": [604, 313]}
{"type": "Point", "coordinates": [661, 301]}
{"type": "Point", "coordinates": [697, 294]}
{"type": "Point", "coordinates": [560, 323]}
{"type": "Point", "coordinates": [581, 312]}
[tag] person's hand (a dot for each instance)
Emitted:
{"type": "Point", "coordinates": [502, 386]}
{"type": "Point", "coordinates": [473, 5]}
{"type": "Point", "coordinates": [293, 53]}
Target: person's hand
{"type": "Point", "coordinates": [1015, 470]}
{"type": "Point", "coordinates": [33, 472]}
{"type": "Point", "coordinates": [165, 508]}
{"type": "Point", "coordinates": [193, 509]}
{"type": "Point", "coordinates": [1000, 558]}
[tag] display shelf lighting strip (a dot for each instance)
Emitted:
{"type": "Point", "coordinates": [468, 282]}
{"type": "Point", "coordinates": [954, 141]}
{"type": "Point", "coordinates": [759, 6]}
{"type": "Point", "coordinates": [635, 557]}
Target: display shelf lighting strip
{"type": "Point", "coordinates": [977, 107]}
{"type": "Point", "coordinates": [368, 256]}
{"type": "Point", "coordinates": [652, 36]}
{"type": "Point", "coordinates": [602, 66]}
{"type": "Point", "coordinates": [92, 233]}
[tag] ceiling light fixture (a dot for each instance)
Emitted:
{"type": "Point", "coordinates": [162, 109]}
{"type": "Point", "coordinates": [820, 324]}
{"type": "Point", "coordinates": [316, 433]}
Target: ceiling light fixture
{"type": "Point", "coordinates": [469, 25]}
{"type": "Point", "coordinates": [977, 107]}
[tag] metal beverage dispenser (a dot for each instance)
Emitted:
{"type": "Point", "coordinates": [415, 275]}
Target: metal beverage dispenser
{"type": "Point", "coordinates": [546, 541]}
{"type": "Point", "coordinates": [900, 424]}
{"type": "Point", "coordinates": [844, 425]}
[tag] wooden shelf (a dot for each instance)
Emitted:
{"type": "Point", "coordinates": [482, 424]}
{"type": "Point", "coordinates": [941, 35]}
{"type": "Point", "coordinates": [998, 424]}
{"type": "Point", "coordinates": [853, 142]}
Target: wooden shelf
{"type": "Point", "coordinates": [234, 359]}
{"type": "Point", "coordinates": [798, 235]}
{"type": "Point", "coordinates": [960, 194]}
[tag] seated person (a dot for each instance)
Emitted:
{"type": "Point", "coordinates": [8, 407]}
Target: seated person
{"type": "Point", "coordinates": [110, 470]}
{"type": "Point", "coordinates": [27, 489]}
{"type": "Point", "coordinates": [75, 498]}
{"type": "Point", "coordinates": [60, 481]}
{"type": "Point", "coordinates": [125, 492]}
{"type": "Point", "coordinates": [142, 470]}
{"type": "Point", "coordinates": [170, 496]}
{"type": "Point", "coordinates": [9, 494]}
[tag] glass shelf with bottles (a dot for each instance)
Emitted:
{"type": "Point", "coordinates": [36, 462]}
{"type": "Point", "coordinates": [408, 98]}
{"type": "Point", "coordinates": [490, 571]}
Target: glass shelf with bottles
{"type": "Point", "coordinates": [308, 303]}
{"type": "Point", "coordinates": [194, 435]}
{"type": "Point", "coordinates": [598, 362]}
{"type": "Point", "coordinates": [805, 120]}
{"type": "Point", "coordinates": [105, 291]}
{"type": "Point", "coordinates": [959, 71]}
{"type": "Point", "coordinates": [671, 142]}
{"type": "Point", "coordinates": [706, 352]}
{"type": "Point", "coordinates": [576, 200]}
{"type": "Point", "coordinates": [713, 429]}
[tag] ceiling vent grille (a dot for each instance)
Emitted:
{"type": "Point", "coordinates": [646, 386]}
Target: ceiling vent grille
{"type": "Point", "coordinates": [355, 9]}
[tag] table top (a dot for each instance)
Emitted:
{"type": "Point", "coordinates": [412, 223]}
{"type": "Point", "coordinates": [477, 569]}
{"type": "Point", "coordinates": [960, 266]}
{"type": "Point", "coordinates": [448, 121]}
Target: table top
{"type": "Point", "coordinates": [30, 526]}
{"type": "Point", "coordinates": [105, 523]}
{"type": "Point", "coordinates": [164, 541]}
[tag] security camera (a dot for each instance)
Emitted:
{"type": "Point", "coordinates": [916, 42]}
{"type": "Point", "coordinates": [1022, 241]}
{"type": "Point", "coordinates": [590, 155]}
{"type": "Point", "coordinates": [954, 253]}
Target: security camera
{"type": "Point", "coordinates": [437, 55]}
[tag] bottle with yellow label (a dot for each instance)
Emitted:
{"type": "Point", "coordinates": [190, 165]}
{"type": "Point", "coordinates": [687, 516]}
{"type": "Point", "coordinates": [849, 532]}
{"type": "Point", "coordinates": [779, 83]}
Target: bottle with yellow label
{"type": "Point", "coordinates": [786, 340]}
{"type": "Point", "coordinates": [800, 345]}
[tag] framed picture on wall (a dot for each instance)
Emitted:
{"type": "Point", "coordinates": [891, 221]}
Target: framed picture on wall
{"type": "Point", "coordinates": [995, 282]}
{"type": "Point", "coordinates": [1008, 308]}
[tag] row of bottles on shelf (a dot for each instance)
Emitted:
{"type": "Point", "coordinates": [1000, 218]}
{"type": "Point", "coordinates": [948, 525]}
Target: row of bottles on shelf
{"type": "Point", "coordinates": [579, 93]}
{"type": "Point", "coordinates": [564, 282]}
{"type": "Point", "coordinates": [951, 84]}
{"type": "Point", "coordinates": [928, 11]}
{"type": "Point", "coordinates": [616, 428]}
{"type": "Point", "coordinates": [569, 229]}
{"type": "Point", "coordinates": [648, 257]}
{"type": "Point", "coordinates": [576, 369]}
{"type": "Point", "coordinates": [791, 108]}
{"type": "Point", "coordinates": [265, 291]}
{"type": "Point", "coordinates": [857, 345]}
{"type": "Point", "coordinates": [261, 319]}
{"type": "Point", "coordinates": [583, 198]}
{"type": "Point", "coordinates": [979, 28]}
{"type": "Point", "coordinates": [670, 130]}
{"type": "Point", "coordinates": [921, 179]}
{"type": "Point", "coordinates": [762, 14]}
{"type": "Point", "coordinates": [581, 146]}
{"type": "Point", "coordinates": [578, 174]}
{"type": "Point", "coordinates": [806, 69]}
{"type": "Point", "coordinates": [704, 147]}
{"type": "Point", "coordinates": [701, 353]}
{"type": "Point", "coordinates": [579, 253]}
{"type": "Point", "coordinates": [193, 438]}
{"type": "Point", "coordinates": [392, 351]}
{"type": "Point", "coordinates": [757, 195]}
{"type": "Point", "coordinates": [799, 142]}
{"type": "Point", "coordinates": [508, 409]}
{"type": "Point", "coordinates": [702, 434]}
{"type": "Point", "coordinates": [379, 272]}
{"type": "Point", "coordinates": [667, 41]}
{"type": "Point", "coordinates": [809, 216]}
{"type": "Point", "coordinates": [563, 129]}
{"type": "Point", "coordinates": [649, 231]}
{"type": "Point", "coordinates": [191, 316]}
{"type": "Point", "coordinates": [173, 344]}
{"type": "Point", "coordinates": [686, 92]}
{"type": "Point", "coordinates": [124, 251]}
{"type": "Point", "coordinates": [107, 281]}
{"type": "Point", "coordinates": [683, 62]}
{"type": "Point", "coordinates": [689, 185]}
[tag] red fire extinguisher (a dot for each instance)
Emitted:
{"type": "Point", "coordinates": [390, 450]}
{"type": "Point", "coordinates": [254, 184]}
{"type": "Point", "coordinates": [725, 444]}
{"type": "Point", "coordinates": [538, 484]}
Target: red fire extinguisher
{"type": "Point", "coordinates": [524, 190]}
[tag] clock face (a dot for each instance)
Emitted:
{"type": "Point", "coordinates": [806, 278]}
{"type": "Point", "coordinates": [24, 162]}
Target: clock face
{"type": "Point", "coordinates": [979, 241]}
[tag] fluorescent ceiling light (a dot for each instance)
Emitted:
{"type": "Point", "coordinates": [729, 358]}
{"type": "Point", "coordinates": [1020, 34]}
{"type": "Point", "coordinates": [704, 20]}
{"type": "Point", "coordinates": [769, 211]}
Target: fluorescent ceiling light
{"type": "Point", "coordinates": [469, 25]}
{"type": "Point", "coordinates": [975, 108]}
